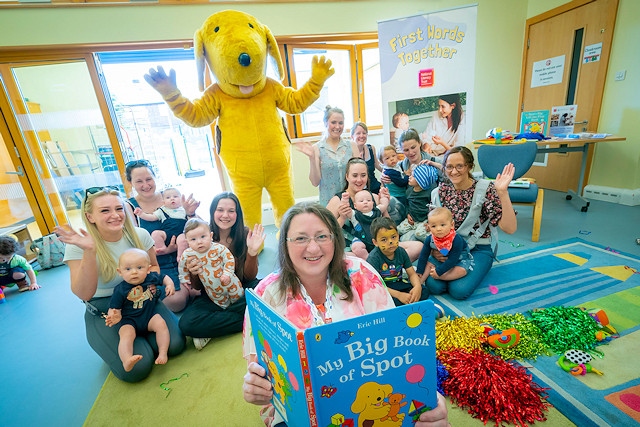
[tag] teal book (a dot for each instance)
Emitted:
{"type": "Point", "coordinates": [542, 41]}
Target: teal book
{"type": "Point", "coordinates": [377, 369]}
{"type": "Point", "coordinates": [534, 122]}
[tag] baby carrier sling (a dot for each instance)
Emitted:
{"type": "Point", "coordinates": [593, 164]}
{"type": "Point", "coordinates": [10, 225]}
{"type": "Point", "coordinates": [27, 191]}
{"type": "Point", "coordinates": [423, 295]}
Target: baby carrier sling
{"type": "Point", "coordinates": [362, 230]}
{"type": "Point", "coordinates": [171, 226]}
{"type": "Point", "coordinates": [167, 262]}
{"type": "Point", "coordinates": [466, 229]}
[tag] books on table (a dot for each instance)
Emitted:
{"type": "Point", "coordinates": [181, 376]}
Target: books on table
{"type": "Point", "coordinates": [374, 369]}
{"type": "Point", "coordinates": [534, 121]}
{"type": "Point", "coordinates": [562, 120]}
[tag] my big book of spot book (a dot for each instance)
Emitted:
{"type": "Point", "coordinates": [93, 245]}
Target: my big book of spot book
{"type": "Point", "coordinates": [376, 369]}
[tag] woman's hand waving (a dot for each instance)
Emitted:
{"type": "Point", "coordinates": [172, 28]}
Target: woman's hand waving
{"type": "Point", "coordinates": [81, 238]}
{"type": "Point", "coordinates": [504, 179]}
{"type": "Point", "coordinates": [255, 239]}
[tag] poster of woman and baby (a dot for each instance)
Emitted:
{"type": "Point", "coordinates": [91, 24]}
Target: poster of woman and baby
{"type": "Point", "coordinates": [427, 71]}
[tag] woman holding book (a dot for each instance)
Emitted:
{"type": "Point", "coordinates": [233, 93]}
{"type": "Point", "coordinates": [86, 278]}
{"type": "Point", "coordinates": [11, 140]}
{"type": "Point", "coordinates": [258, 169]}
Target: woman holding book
{"type": "Point", "coordinates": [309, 288]}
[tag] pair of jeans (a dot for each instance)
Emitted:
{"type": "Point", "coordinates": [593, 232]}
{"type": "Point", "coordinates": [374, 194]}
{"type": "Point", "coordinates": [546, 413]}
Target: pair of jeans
{"type": "Point", "coordinates": [464, 287]}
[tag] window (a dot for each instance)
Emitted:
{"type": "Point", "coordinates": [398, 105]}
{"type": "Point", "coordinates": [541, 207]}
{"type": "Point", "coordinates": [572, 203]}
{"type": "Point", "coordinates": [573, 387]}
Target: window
{"type": "Point", "coordinates": [370, 84]}
{"type": "Point", "coordinates": [355, 87]}
{"type": "Point", "coordinates": [336, 92]}
{"type": "Point", "coordinates": [182, 156]}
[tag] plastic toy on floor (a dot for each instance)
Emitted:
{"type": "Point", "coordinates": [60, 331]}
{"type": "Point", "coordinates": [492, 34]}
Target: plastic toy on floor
{"type": "Point", "coordinates": [602, 320]}
{"type": "Point", "coordinates": [576, 362]}
{"type": "Point", "coordinates": [501, 339]}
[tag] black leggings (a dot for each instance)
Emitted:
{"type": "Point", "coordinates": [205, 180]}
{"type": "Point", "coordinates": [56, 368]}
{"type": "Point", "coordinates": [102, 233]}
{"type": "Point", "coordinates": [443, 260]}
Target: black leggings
{"type": "Point", "coordinates": [204, 318]}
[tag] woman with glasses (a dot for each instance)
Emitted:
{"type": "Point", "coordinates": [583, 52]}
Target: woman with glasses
{"type": "Point", "coordinates": [329, 156]}
{"type": "Point", "coordinates": [140, 175]}
{"type": "Point", "coordinates": [315, 283]}
{"type": "Point", "coordinates": [203, 319]}
{"type": "Point", "coordinates": [92, 256]}
{"type": "Point", "coordinates": [357, 179]}
{"type": "Point", "coordinates": [495, 211]}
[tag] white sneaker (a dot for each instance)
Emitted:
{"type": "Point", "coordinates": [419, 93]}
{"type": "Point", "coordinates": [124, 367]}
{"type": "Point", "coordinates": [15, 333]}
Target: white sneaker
{"type": "Point", "coordinates": [199, 343]}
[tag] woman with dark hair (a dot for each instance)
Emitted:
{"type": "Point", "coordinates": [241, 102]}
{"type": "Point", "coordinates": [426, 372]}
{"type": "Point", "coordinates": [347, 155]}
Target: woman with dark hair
{"type": "Point", "coordinates": [140, 175]}
{"type": "Point", "coordinates": [446, 129]}
{"type": "Point", "coordinates": [356, 179]}
{"type": "Point", "coordinates": [316, 283]}
{"type": "Point", "coordinates": [473, 220]}
{"type": "Point", "coordinates": [204, 319]}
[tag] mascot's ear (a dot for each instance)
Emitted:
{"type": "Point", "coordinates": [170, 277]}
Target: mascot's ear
{"type": "Point", "coordinates": [198, 51]}
{"type": "Point", "coordinates": [272, 47]}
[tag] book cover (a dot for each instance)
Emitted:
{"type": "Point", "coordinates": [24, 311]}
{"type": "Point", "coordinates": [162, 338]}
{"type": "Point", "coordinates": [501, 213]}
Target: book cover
{"type": "Point", "coordinates": [376, 369]}
{"type": "Point", "coordinates": [562, 120]}
{"type": "Point", "coordinates": [534, 122]}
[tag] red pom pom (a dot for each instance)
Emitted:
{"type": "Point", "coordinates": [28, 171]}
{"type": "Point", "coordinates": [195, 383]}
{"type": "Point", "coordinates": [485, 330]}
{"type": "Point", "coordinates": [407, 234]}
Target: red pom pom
{"type": "Point", "coordinates": [493, 389]}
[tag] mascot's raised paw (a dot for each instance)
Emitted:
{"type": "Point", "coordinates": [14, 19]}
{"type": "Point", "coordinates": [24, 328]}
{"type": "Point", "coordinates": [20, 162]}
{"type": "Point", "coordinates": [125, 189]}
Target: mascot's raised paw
{"type": "Point", "coordinates": [321, 68]}
{"type": "Point", "coordinates": [164, 84]}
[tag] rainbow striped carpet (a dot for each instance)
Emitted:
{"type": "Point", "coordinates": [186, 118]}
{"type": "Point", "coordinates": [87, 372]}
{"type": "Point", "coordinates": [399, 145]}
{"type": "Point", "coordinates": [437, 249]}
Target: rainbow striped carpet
{"type": "Point", "coordinates": [574, 273]}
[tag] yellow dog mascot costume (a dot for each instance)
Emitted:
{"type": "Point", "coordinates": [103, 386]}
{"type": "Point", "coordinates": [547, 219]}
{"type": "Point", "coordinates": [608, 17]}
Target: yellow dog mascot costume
{"type": "Point", "coordinates": [252, 140]}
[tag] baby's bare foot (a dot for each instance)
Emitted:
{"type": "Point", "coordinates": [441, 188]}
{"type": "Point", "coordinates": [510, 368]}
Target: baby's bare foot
{"type": "Point", "coordinates": [131, 362]}
{"type": "Point", "coordinates": [162, 359]}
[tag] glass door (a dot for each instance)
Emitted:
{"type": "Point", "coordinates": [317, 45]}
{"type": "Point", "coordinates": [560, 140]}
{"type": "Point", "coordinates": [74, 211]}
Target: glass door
{"type": "Point", "coordinates": [182, 156]}
{"type": "Point", "coordinates": [62, 138]}
{"type": "Point", "coordinates": [73, 123]}
{"type": "Point", "coordinates": [17, 219]}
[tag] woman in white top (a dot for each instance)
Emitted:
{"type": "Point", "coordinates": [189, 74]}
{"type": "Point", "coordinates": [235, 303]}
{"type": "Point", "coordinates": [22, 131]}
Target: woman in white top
{"type": "Point", "coordinates": [446, 129]}
{"type": "Point", "coordinates": [328, 157]}
{"type": "Point", "coordinates": [92, 256]}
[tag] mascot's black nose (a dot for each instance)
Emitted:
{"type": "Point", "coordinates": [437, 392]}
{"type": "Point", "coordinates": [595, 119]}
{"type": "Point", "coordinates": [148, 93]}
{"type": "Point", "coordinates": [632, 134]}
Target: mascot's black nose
{"type": "Point", "coordinates": [244, 59]}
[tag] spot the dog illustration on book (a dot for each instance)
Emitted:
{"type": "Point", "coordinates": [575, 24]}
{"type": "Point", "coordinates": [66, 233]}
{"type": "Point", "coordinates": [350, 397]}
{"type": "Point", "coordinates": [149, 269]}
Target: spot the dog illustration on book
{"type": "Point", "coordinates": [376, 370]}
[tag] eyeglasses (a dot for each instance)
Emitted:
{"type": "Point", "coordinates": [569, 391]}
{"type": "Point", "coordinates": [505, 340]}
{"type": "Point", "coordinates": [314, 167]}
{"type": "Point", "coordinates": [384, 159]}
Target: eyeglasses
{"type": "Point", "coordinates": [320, 239]}
{"type": "Point", "coordinates": [459, 168]}
{"type": "Point", "coordinates": [137, 163]}
{"type": "Point", "coordinates": [104, 188]}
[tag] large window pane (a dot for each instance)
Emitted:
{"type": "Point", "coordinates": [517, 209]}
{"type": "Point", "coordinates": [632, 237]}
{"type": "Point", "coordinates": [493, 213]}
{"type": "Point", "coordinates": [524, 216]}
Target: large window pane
{"type": "Point", "coordinates": [183, 156]}
{"type": "Point", "coordinates": [372, 86]}
{"type": "Point", "coordinates": [336, 91]}
{"type": "Point", "coordinates": [71, 148]}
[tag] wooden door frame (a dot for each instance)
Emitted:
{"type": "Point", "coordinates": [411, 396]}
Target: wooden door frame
{"type": "Point", "coordinates": [606, 51]}
{"type": "Point", "coordinates": [604, 57]}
